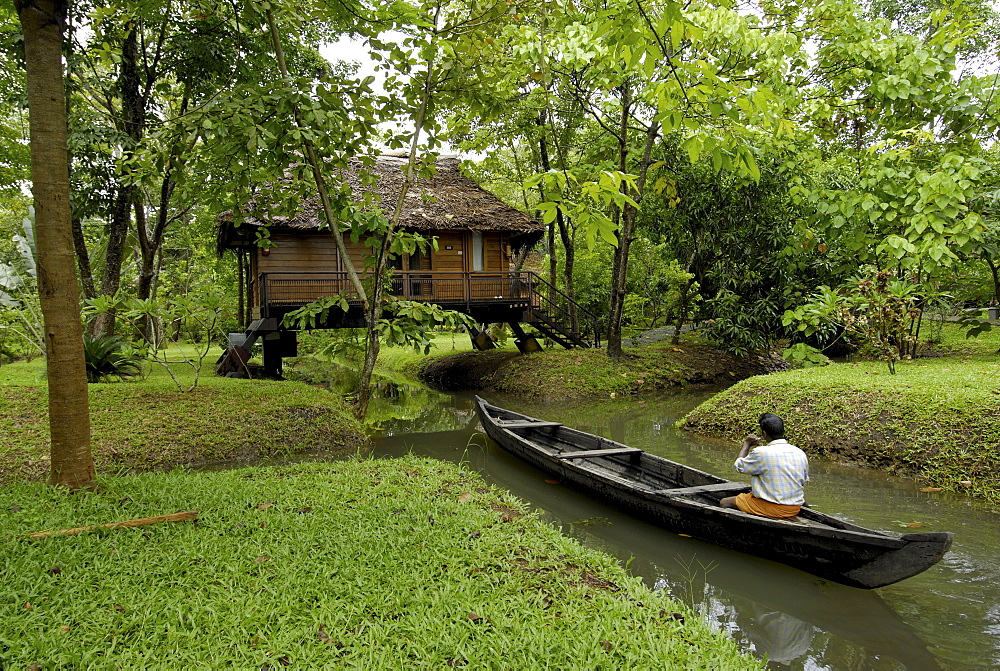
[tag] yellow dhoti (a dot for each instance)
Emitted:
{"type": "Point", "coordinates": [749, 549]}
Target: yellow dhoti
{"type": "Point", "coordinates": [749, 503]}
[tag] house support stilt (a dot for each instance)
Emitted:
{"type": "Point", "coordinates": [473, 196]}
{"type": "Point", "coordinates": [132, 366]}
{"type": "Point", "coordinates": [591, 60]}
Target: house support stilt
{"type": "Point", "coordinates": [525, 343]}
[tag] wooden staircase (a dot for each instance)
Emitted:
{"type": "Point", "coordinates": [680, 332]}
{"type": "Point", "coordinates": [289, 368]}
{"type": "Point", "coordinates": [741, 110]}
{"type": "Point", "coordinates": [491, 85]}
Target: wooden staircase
{"type": "Point", "coordinates": [551, 313]}
{"type": "Point", "coordinates": [558, 330]}
{"type": "Point", "coordinates": [553, 319]}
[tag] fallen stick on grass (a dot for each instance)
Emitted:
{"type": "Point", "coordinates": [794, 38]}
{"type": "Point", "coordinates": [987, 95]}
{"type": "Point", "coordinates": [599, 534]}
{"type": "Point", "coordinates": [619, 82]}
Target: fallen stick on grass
{"type": "Point", "coordinates": [175, 517]}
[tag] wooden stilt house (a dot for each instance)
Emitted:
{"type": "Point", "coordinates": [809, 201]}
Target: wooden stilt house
{"type": "Point", "coordinates": [472, 269]}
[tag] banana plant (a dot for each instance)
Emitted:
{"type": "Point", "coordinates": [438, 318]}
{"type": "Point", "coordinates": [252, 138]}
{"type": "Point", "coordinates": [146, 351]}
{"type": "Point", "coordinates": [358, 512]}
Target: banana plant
{"type": "Point", "coordinates": [17, 289]}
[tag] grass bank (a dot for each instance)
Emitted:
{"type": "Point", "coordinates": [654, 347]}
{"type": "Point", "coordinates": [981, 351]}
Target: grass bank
{"type": "Point", "coordinates": [150, 424]}
{"type": "Point", "coordinates": [579, 373]}
{"type": "Point", "coordinates": [360, 564]}
{"type": "Point", "coordinates": [937, 418]}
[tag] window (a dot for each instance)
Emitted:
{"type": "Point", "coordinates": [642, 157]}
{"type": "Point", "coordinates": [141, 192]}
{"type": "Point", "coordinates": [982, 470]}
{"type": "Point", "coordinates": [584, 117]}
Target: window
{"type": "Point", "coordinates": [477, 251]}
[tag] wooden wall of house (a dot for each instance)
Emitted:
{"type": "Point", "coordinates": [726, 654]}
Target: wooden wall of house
{"type": "Point", "coordinates": [299, 252]}
{"type": "Point", "coordinates": [357, 252]}
{"type": "Point", "coordinates": [453, 259]}
{"type": "Point", "coordinates": [294, 252]}
{"type": "Point", "coordinates": [459, 257]}
{"type": "Point", "coordinates": [309, 251]}
{"type": "Point", "coordinates": [495, 243]}
{"type": "Point", "coordinates": [252, 283]}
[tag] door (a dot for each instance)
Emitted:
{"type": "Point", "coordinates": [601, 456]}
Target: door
{"type": "Point", "coordinates": [420, 284]}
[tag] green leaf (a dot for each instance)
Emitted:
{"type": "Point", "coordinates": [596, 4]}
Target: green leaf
{"type": "Point", "coordinates": [718, 159]}
{"type": "Point", "coordinates": [693, 146]}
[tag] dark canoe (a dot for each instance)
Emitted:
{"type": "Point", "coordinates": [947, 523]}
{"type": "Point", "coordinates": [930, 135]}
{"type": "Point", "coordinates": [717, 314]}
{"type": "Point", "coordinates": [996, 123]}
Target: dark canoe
{"type": "Point", "coordinates": [686, 500]}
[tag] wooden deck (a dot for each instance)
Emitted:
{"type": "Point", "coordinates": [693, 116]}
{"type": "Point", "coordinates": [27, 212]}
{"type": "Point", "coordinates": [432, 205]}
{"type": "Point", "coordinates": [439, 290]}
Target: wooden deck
{"type": "Point", "coordinates": [514, 298]}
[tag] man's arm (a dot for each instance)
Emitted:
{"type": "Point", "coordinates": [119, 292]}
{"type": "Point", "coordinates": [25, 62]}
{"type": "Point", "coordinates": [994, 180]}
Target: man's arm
{"type": "Point", "coordinates": [749, 443]}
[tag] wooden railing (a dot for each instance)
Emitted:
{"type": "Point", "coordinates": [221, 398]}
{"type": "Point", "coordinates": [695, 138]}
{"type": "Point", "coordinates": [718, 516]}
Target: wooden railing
{"type": "Point", "coordinates": [557, 305]}
{"type": "Point", "coordinates": [454, 290]}
{"type": "Point", "coordinates": [299, 288]}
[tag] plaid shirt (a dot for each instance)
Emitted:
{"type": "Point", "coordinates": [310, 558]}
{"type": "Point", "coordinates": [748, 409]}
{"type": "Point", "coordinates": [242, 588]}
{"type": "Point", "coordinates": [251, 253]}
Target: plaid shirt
{"type": "Point", "coordinates": [778, 472]}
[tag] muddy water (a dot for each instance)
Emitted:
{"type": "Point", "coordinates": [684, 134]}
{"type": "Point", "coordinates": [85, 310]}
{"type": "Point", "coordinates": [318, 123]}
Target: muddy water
{"type": "Point", "coordinates": [947, 617]}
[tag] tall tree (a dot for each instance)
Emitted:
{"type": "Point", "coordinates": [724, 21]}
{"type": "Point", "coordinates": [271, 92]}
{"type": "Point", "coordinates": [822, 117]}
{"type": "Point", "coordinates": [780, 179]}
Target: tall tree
{"type": "Point", "coordinates": [133, 75]}
{"type": "Point", "coordinates": [145, 87]}
{"type": "Point", "coordinates": [645, 69]}
{"type": "Point", "coordinates": [436, 64]}
{"type": "Point", "coordinates": [448, 41]}
{"type": "Point", "coordinates": [43, 23]}
{"type": "Point", "coordinates": [901, 129]}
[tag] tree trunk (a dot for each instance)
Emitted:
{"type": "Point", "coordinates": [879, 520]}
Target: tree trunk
{"type": "Point", "coordinates": [133, 122]}
{"type": "Point", "coordinates": [682, 310]}
{"type": "Point", "coordinates": [147, 252]}
{"type": "Point", "coordinates": [104, 323]}
{"type": "Point", "coordinates": [151, 247]}
{"type": "Point", "coordinates": [569, 258]}
{"type": "Point", "coordinates": [147, 271]}
{"type": "Point", "coordinates": [83, 260]}
{"type": "Point", "coordinates": [619, 267]}
{"type": "Point", "coordinates": [626, 228]}
{"type": "Point", "coordinates": [151, 238]}
{"type": "Point", "coordinates": [550, 233]}
{"type": "Point", "coordinates": [72, 464]}
{"type": "Point", "coordinates": [996, 278]}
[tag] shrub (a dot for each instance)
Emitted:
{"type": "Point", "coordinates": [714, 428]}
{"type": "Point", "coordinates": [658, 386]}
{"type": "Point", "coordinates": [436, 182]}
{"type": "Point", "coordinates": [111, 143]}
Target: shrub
{"type": "Point", "coordinates": [106, 359]}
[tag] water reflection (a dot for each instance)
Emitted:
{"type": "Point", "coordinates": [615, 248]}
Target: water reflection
{"type": "Point", "coordinates": [946, 617]}
{"type": "Point", "coordinates": [398, 404]}
{"type": "Point", "coordinates": [741, 594]}
{"type": "Point", "coordinates": [779, 636]}
{"type": "Point", "coordinates": [397, 409]}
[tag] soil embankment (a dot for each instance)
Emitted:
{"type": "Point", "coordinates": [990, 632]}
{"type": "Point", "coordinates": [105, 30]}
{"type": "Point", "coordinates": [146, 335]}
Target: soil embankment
{"type": "Point", "coordinates": [590, 373]}
{"type": "Point", "coordinates": [150, 425]}
{"type": "Point", "coordinates": [891, 423]}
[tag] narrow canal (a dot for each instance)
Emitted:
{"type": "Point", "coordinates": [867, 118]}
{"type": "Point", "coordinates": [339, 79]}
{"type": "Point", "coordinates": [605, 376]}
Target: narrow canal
{"type": "Point", "coordinates": [947, 617]}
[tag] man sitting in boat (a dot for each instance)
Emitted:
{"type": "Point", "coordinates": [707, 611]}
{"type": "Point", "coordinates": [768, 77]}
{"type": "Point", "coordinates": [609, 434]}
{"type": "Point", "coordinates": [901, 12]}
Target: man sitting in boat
{"type": "Point", "coordinates": [778, 473]}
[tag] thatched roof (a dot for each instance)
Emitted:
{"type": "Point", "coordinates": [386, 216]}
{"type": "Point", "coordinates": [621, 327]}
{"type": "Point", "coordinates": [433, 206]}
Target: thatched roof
{"type": "Point", "coordinates": [447, 201]}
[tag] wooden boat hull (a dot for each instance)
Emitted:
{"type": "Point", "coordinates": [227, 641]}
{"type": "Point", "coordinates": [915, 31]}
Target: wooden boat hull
{"type": "Point", "coordinates": [685, 500]}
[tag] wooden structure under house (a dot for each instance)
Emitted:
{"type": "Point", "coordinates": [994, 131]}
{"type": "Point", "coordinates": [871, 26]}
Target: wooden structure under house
{"type": "Point", "coordinates": [472, 270]}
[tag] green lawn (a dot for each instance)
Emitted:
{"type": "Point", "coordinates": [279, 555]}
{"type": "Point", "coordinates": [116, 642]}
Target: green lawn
{"type": "Point", "coordinates": [356, 564]}
{"type": "Point", "coordinates": [151, 423]}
